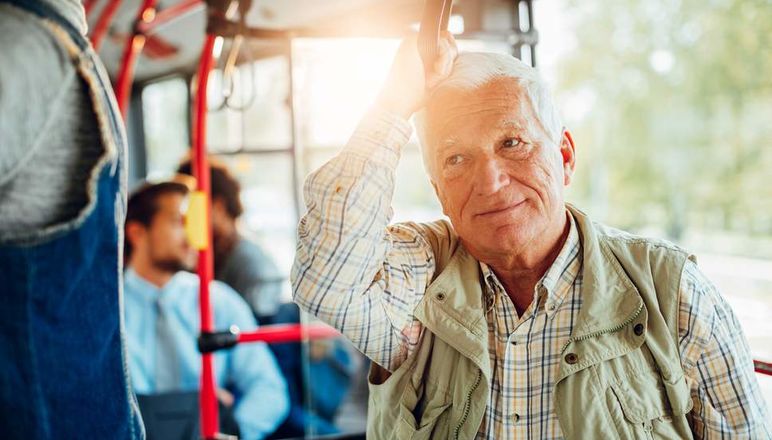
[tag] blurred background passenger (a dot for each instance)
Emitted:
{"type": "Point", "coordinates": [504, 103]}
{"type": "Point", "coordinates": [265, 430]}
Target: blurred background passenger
{"type": "Point", "coordinates": [242, 264]}
{"type": "Point", "coordinates": [238, 261]}
{"type": "Point", "coordinates": [162, 318]}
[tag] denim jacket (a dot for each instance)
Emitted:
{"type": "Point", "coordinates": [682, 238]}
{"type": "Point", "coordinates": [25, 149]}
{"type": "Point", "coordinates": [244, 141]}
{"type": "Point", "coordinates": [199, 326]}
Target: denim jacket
{"type": "Point", "coordinates": [63, 372]}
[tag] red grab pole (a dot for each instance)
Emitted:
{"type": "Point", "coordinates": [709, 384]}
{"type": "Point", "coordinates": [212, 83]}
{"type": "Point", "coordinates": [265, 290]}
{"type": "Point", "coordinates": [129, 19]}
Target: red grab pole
{"type": "Point", "coordinates": [131, 51]}
{"type": "Point", "coordinates": [276, 334]}
{"type": "Point", "coordinates": [208, 400]}
{"type": "Point", "coordinates": [103, 23]}
{"type": "Point", "coordinates": [169, 14]}
{"type": "Point", "coordinates": [88, 5]}
{"type": "Point", "coordinates": [762, 367]}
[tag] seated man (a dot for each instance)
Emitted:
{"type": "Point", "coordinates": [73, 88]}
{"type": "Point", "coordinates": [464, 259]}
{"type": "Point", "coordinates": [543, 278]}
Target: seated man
{"type": "Point", "coordinates": [238, 261]}
{"type": "Point", "coordinates": [521, 317]}
{"type": "Point", "coordinates": [162, 318]}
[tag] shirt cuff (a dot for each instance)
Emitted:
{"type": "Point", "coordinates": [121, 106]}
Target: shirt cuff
{"type": "Point", "coordinates": [379, 137]}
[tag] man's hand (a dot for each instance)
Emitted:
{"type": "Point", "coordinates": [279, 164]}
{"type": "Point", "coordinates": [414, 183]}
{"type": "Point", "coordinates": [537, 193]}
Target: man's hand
{"type": "Point", "coordinates": [406, 86]}
{"type": "Point", "coordinates": [225, 397]}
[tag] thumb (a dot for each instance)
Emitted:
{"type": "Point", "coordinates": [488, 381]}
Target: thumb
{"type": "Point", "coordinates": [448, 51]}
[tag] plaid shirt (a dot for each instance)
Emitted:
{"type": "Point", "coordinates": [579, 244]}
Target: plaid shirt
{"type": "Point", "coordinates": [364, 276]}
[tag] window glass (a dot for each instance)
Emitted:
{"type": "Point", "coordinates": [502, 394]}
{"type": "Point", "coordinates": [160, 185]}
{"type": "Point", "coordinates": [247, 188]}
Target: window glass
{"type": "Point", "coordinates": [269, 205]}
{"type": "Point", "coordinates": [165, 113]}
{"type": "Point", "coordinates": [257, 116]}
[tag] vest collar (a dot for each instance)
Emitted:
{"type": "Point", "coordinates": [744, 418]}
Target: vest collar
{"type": "Point", "coordinates": [609, 297]}
{"type": "Point", "coordinates": [453, 308]}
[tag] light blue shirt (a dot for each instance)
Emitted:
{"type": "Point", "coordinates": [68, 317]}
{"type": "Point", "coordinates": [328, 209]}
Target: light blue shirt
{"type": "Point", "coordinates": [249, 371]}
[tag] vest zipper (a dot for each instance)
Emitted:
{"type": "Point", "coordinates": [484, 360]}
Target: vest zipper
{"type": "Point", "coordinates": [616, 328]}
{"type": "Point", "coordinates": [468, 403]}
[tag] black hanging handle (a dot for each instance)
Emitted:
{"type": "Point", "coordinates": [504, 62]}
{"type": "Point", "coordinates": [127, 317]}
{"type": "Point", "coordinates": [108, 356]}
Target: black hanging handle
{"type": "Point", "coordinates": [434, 21]}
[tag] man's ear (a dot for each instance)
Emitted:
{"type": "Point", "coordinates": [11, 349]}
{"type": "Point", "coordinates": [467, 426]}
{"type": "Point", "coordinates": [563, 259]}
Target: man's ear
{"type": "Point", "coordinates": [135, 232]}
{"type": "Point", "coordinates": [218, 206]}
{"type": "Point", "coordinates": [568, 153]}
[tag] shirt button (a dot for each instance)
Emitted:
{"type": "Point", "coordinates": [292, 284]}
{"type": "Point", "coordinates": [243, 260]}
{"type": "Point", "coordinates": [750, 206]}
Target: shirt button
{"type": "Point", "coordinates": [551, 307]}
{"type": "Point", "coordinates": [638, 329]}
{"type": "Point", "coordinates": [572, 358]}
{"type": "Point", "coordinates": [440, 296]}
{"type": "Point", "coordinates": [513, 342]}
{"type": "Point", "coordinates": [515, 417]}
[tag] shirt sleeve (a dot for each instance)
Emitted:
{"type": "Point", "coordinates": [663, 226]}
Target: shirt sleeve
{"type": "Point", "coordinates": [260, 391]}
{"type": "Point", "coordinates": [718, 365]}
{"type": "Point", "coordinates": [352, 270]}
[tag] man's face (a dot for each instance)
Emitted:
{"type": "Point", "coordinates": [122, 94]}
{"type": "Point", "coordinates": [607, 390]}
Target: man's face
{"type": "Point", "coordinates": [167, 243]}
{"type": "Point", "coordinates": [220, 220]}
{"type": "Point", "coordinates": [497, 173]}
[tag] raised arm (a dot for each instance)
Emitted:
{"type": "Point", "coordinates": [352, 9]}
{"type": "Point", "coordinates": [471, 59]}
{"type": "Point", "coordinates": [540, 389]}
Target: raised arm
{"type": "Point", "coordinates": [352, 269]}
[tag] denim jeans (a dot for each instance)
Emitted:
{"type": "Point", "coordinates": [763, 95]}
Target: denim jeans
{"type": "Point", "coordinates": [63, 372]}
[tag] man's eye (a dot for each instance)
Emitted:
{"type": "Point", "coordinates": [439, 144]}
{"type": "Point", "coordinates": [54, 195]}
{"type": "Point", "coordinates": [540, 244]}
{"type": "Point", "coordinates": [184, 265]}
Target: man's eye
{"type": "Point", "coordinates": [454, 159]}
{"type": "Point", "coordinates": [511, 143]}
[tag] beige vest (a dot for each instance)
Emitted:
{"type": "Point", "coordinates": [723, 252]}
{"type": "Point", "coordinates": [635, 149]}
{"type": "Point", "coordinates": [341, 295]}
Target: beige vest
{"type": "Point", "coordinates": [620, 376]}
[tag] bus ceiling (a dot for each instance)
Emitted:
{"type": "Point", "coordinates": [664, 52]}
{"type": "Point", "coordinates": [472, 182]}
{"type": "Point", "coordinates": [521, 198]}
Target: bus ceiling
{"type": "Point", "coordinates": [173, 31]}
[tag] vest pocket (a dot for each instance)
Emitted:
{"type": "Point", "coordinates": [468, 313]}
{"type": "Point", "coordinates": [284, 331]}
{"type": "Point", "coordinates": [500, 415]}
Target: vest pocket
{"type": "Point", "coordinates": [409, 428]}
{"type": "Point", "coordinates": [644, 403]}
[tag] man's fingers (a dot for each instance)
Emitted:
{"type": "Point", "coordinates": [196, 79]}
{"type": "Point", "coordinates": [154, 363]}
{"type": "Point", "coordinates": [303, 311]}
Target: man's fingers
{"type": "Point", "coordinates": [447, 55]}
{"type": "Point", "coordinates": [441, 63]}
{"type": "Point", "coordinates": [445, 35]}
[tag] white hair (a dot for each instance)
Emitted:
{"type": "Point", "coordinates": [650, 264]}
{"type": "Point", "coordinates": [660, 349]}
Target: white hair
{"type": "Point", "coordinates": [472, 70]}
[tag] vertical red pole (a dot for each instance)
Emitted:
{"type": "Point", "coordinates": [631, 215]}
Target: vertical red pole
{"type": "Point", "coordinates": [103, 23]}
{"type": "Point", "coordinates": [134, 46]}
{"type": "Point", "coordinates": [131, 51]}
{"type": "Point", "coordinates": [88, 5]}
{"type": "Point", "coordinates": [208, 400]}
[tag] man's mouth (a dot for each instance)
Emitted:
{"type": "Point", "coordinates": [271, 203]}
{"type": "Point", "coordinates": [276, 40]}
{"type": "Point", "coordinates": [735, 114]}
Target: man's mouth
{"type": "Point", "coordinates": [499, 210]}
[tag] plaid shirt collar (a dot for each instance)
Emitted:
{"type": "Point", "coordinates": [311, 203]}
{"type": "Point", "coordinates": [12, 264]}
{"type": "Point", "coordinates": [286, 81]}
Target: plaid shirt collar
{"type": "Point", "coordinates": [546, 291]}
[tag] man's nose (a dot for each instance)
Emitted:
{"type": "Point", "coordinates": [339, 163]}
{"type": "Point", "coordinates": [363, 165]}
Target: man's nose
{"type": "Point", "coordinates": [490, 177]}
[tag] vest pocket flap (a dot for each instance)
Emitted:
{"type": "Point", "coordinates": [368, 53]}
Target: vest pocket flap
{"type": "Point", "coordinates": [642, 398]}
{"type": "Point", "coordinates": [679, 395]}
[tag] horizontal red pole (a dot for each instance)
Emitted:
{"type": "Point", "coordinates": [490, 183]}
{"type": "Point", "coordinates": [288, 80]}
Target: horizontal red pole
{"type": "Point", "coordinates": [763, 367]}
{"type": "Point", "coordinates": [276, 334]}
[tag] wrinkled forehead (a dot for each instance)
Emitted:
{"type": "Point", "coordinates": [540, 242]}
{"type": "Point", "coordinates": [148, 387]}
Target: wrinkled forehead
{"type": "Point", "coordinates": [501, 101]}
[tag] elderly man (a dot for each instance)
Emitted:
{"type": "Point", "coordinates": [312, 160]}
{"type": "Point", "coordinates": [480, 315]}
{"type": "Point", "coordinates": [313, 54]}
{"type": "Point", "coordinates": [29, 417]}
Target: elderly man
{"type": "Point", "coordinates": [519, 318]}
